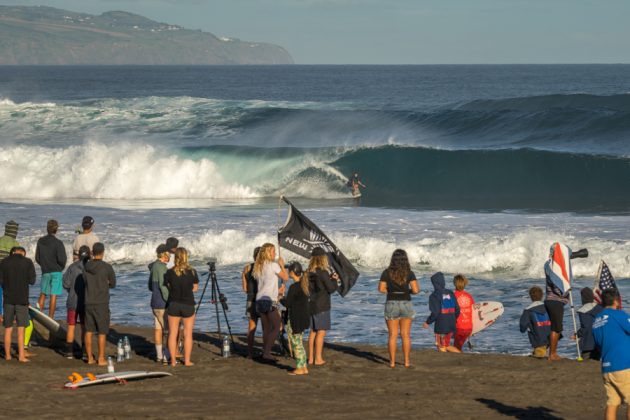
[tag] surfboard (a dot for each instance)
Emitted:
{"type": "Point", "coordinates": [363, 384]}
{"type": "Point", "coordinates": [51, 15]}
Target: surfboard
{"type": "Point", "coordinates": [356, 195]}
{"type": "Point", "coordinates": [49, 323]}
{"type": "Point", "coordinates": [485, 314]}
{"type": "Point", "coordinates": [112, 377]}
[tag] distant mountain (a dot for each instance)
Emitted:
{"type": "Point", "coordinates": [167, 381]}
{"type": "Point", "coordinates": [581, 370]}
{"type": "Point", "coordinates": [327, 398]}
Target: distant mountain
{"type": "Point", "coordinates": [45, 35]}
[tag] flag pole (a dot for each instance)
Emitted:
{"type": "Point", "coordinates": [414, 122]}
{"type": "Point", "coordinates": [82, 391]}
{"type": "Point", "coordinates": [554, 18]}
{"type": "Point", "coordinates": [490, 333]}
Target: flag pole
{"type": "Point", "coordinates": [577, 339]}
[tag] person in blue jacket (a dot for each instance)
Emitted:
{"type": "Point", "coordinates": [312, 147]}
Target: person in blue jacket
{"type": "Point", "coordinates": [611, 331]}
{"type": "Point", "coordinates": [535, 321]}
{"type": "Point", "coordinates": [587, 314]}
{"type": "Point", "coordinates": [444, 312]}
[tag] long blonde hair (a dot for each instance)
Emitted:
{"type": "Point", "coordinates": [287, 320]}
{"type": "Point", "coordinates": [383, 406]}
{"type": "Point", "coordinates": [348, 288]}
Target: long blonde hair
{"type": "Point", "coordinates": [181, 262]}
{"type": "Point", "coordinates": [265, 255]}
{"type": "Point", "coordinates": [317, 262]}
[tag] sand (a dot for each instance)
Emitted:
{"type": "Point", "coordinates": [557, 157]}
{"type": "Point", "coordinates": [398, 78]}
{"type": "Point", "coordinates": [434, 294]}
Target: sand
{"type": "Point", "coordinates": [356, 382]}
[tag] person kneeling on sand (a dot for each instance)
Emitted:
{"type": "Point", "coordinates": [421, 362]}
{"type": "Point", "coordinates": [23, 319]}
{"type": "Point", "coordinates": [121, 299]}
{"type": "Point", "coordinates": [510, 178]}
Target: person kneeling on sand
{"type": "Point", "coordinates": [16, 274]}
{"type": "Point", "coordinates": [159, 297]}
{"type": "Point", "coordinates": [399, 283]}
{"type": "Point", "coordinates": [182, 282]}
{"type": "Point", "coordinates": [98, 277]}
{"type": "Point", "coordinates": [611, 331]}
{"type": "Point", "coordinates": [74, 284]}
{"type": "Point", "coordinates": [535, 321]}
{"type": "Point", "coordinates": [444, 312]}
{"type": "Point", "coordinates": [587, 313]}
{"type": "Point", "coordinates": [297, 304]}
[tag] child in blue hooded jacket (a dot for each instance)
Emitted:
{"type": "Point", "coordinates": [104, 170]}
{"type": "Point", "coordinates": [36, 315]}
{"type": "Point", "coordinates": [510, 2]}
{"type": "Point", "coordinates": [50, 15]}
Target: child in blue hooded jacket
{"type": "Point", "coordinates": [444, 312]}
{"type": "Point", "coordinates": [536, 323]}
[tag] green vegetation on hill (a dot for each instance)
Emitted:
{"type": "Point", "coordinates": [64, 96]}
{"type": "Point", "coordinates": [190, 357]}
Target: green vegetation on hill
{"type": "Point", "coordinates": [45, 35]}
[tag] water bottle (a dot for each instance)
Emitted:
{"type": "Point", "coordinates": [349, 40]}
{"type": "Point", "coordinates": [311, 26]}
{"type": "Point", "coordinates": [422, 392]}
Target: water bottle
{"type": "Point", "coordinates": [127, 348]}
{"type": "Point", "coordinates": [225, 350]}
{"type": "Point", "coordinates": [110, 364]}
{"type": "Point", "coordinates": [120, 352]}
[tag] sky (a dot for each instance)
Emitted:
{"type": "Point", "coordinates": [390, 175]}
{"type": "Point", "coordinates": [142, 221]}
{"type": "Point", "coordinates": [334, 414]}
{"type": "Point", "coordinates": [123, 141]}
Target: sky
{"type": "Point", "coordinates": [401, 31]}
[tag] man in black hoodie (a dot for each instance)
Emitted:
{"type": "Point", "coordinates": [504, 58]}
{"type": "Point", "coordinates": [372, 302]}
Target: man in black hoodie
{"type": "Point", "coordinates": [16, 274]}
{"type": "Point", "coordinates": [98, 277]}
{"type": "Point", "coordinates": [50, 254]}
{"type": "Point", "coordinates": [444, 312]}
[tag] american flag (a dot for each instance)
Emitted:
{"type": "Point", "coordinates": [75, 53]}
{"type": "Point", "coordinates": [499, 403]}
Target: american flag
{"type": "Point", "coordinates": [603, 281]}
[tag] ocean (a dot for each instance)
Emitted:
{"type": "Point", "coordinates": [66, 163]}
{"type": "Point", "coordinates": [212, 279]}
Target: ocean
{"type": "Point", "coordinates": [471, 169]}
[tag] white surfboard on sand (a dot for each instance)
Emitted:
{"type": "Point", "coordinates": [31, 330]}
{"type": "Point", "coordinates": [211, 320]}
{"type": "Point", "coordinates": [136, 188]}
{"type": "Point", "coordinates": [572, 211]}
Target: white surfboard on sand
{"type": "Point", "coordinates": [485, 314]}
{"type": "Point", "coordinates": [115, 377]}
{"type": "Point", "coordinates": [49, 323]}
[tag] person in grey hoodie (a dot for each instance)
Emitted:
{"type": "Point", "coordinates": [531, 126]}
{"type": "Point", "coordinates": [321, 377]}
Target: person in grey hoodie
{"type": "Point", "coordinates": [74, 284]}
{"type": "Point", "coordinates": [535, 321]}
{"type": "Point", "coordinates": [444, 312]}
{"type": "Point", "coordinates": [159, 296]}
{"type": "Point", "coordinates": [50, 254]}
{"type": "Point", "coordinates": [99, 277]}
{"type": "Point", "coordinates": [587, 313]}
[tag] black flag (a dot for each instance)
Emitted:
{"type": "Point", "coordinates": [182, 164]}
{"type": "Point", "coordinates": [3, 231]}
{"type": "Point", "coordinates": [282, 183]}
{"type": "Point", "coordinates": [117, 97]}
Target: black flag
{"type": "Point", "coordinates": [300, 235]}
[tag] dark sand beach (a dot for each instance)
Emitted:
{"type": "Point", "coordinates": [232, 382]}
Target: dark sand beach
{"type": "Point", "coordinates": [355, 383]}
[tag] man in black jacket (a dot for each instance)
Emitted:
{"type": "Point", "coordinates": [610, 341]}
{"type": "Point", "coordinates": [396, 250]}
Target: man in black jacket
{"type": "Point", "coordinates": [98, 277]}
{"type": "Point", "coordinates": [50, 254]}
{"type": "Point", "coordinates": [16, 274]}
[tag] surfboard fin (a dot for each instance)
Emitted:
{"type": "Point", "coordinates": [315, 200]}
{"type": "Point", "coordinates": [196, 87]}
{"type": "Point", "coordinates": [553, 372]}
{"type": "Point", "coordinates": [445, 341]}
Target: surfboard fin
{"type": "Point", "coordinates": [75, 377]}
{"type": "Point", "coordinates": [91, 377]}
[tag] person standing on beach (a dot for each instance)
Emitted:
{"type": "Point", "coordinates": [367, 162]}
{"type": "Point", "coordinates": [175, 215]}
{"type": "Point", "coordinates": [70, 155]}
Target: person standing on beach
{"type": "Point", "coordinates": [554, 304]}
{"type": "Point", "coordinates": [171, 245]}
{"type": "Point", "coordinates": [464, 325]}
{"type": "Point", "coordinates": [444, 312]}
{"type": "Point", "coordinates": [297, 304]}
{"type": "Point", "coordinates": [87, 237]}
{"type": "Point", "coordinates": [267, 271]}
{"type": "Point", "coordinates": [250, 287]}
{"type": "Point", "coordinates": [399, 283]}
{"type": "Point", "coordinates": [535, 322]}
{"type": "Point", "coordinates": [7, 242]}
{"type": "Point", "coordinates": [182, 283]}
{"type": "Point", "coordinates": [74, 284]}
{"type": "Point", "coordinates": [16, 274]}
{"type": "Point", "coordinates": [321, 285]}
{"type": "Point", "coordinates": [50, 254]}
{"type": "Point", "coordinates": [587, 313]}
{"type": "Point", "coordinates": [99, 277]}
{"type": "Point", "coordinates": [159, 297]}
{"type": "Point", "coordinates": [611, 331]}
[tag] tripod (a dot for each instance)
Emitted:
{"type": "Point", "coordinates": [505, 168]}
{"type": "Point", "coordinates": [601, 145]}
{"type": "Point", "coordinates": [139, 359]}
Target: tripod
{"type": "Point", "coordinates": [216, 297]}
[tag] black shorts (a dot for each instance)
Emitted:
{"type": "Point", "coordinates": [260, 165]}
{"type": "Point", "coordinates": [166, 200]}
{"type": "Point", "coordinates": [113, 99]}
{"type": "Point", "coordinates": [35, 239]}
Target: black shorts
{"type": "Point", "coordinates": [250, 310]}
{"type": "Point", "coordinates": [181, 310]}
{"type": "Point", "coordinates": [264, 306]}
{"type": "Point", "coordinates": [555, 310]}
{"type": "Point", "coordinates": [17, 313]}
{"type": "Point", "coordinates": [97, 318]}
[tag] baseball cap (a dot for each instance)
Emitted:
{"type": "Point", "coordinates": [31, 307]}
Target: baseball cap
{"type": "Point", "coordinates": [317, 252]}
{"type": "Point", "coordinates": [295, 267]}
{"type": "Point", "coordinates": [87, 222]}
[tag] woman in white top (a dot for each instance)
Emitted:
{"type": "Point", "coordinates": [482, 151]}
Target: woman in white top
{"type": "Point", "coordinates": [266, 271]}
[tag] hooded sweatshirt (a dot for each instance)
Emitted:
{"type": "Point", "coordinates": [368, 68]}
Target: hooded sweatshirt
{"type": "Point", "coordinates": [535, 321]}
{"type": "Point", "coordinates": [8, 241]}
{"type": "Point", "coordinates": [443, 306]}
{"type": "Point", "coordinates": [74, 283]}
{"type": "Point", "coordinates": [587, 314]}
{"type": "Point", "coordinates": [159, 291]}
{"type": "Point", "coordinates": [50, 254]}
{"type": "Point", "coordinates": [99, 278]}
{"type": "Point", "coordinates": [16, 273]}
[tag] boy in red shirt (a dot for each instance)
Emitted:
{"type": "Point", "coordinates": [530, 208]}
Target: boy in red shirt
{"type": "Point", "coordinates": [465, 301]}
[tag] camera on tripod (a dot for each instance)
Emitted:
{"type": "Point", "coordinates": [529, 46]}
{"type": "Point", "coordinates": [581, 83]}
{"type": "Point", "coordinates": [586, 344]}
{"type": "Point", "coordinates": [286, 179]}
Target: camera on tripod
{"type": "Point", "coordinates": [216, 297]}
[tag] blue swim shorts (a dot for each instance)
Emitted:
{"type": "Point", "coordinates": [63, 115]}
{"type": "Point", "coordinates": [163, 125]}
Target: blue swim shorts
{"type": "Point", "coordinates": [51, 284]}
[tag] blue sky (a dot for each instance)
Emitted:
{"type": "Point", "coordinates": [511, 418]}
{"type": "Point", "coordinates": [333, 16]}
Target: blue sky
{"type": "Point", "coordinates": [401, 31]}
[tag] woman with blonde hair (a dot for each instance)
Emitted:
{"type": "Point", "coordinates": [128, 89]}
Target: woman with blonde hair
{"type": "Point", "coordinates": [266, 271]}
{"type": "Point", "coordinates": [399, 283]}
{"type": "Point", "coordinates": [321, 285]}
{"type": "Point", "coordinates": [182, 282]}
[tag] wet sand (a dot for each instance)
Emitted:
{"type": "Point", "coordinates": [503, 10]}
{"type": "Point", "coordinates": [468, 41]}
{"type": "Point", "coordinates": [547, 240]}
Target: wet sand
{"type": "Point", "coordinates": [356, 382]}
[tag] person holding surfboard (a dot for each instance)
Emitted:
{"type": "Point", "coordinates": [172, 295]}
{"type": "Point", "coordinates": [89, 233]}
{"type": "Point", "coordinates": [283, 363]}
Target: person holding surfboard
{"type": "Point", "coordinates": [399, 283]}
{"type": "Point", "coordinates": [464, 324]}
{"type": "Point", "coordinates": [354, 183]}
{"type": "Point", "coordinates": [16, 274]}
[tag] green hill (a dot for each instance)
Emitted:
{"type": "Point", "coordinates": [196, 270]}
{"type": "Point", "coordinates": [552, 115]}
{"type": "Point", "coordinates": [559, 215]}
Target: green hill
{"type": "Point", "coordinates": [45, 35]}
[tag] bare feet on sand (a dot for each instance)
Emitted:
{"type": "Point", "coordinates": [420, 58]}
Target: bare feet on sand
{"type": "Point", "coordinates": [300, 371]}
{"type": "Point", "coordinates": [554, 357]}
{"type": "Point", "coordinates": [188, 364]}
{"type": "Point", "coordinates": [24, 360]}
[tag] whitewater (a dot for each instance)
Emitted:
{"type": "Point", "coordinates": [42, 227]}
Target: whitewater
{"type": "Point", "coordinates": [471, 169]}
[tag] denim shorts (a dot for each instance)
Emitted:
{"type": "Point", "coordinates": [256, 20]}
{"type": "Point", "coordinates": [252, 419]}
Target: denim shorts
{"type": "Point", "coordinates": [396, 309]}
